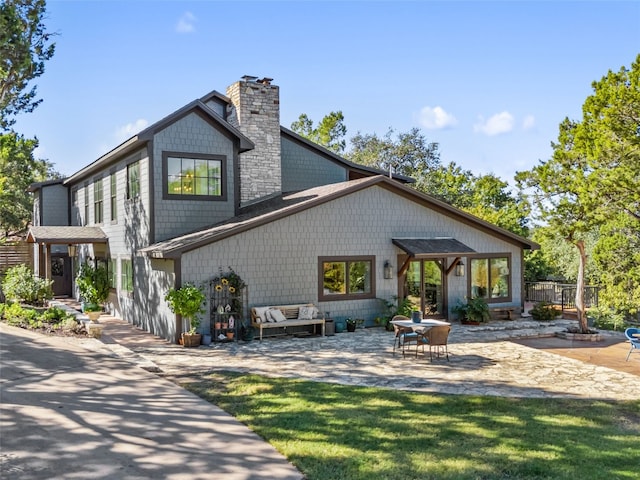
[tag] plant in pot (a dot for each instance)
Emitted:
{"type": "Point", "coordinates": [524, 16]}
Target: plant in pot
{"type": "Point", "coordinates": [474, 312]}
{"type": "Point", "coordinates": [351, 324]}
{"type": "Point", "coordinates": [188, 302]}
{"type": "Point", "coordinates": [93, 285]}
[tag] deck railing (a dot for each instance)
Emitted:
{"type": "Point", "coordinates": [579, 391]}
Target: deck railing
{"type": "Point", "coordinates": [560, 294]}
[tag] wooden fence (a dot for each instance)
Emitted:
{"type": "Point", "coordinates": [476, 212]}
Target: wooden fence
{"type": "Point", "coordinates": [14, 253]}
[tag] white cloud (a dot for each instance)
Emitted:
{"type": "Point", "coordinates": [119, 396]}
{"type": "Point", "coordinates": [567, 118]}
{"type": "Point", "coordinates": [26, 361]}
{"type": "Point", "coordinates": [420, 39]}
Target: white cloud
{"type": "Point", "coordinates": [495, 125]}
{"type": "Point", "coordinates": [436, 118]}
{"type": "Point", "coordinates": [529, 122]}
{"type": "Point", "coordinates": [186, 23]}
{"type": "Point", "coordinates": [130, 129]}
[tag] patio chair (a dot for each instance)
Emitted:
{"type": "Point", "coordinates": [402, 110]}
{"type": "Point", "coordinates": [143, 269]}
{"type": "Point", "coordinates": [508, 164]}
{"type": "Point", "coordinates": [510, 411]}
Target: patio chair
{"type": "Point", "coordinates": [403, 335]}
{"type": "Point", "coordinates": [635, 341]}
{"type": "Point", "coordinates": [436, 337]}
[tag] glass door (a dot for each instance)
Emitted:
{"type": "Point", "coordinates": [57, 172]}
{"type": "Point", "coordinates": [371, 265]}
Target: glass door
{"type": "Point", "coordinates": [424, 287]}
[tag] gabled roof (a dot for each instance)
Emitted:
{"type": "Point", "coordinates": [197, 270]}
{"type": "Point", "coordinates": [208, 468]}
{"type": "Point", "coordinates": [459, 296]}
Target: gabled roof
{"type": "Point", "coordinates": [141, 139]}
{"type": "Point", "coordinates": [62, 235]}
{"type": "Point", "coordinates": [340, 160]}
{"type": "Point", "coordinates": [290, 204]}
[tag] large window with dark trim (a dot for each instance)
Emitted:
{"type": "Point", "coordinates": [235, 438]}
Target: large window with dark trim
{"type": "Point", "coordinates": [98, 201]}
{"type": "Point", "coordinates": [133, 180]}
{"type": "Point", "coordinates": [193, 175]}
{"type": "Point", "coordinates": [346, 278]}
{"type": "Point", "coordinates": [490, 278]}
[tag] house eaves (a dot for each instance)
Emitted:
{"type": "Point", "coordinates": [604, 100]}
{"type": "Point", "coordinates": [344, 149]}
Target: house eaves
{"type": "Point", "coordinates": [340, 160]}
{"type": "Point", "coordinates": [142, 138]}
{"type": "Point", "coordinates": [297, 202]}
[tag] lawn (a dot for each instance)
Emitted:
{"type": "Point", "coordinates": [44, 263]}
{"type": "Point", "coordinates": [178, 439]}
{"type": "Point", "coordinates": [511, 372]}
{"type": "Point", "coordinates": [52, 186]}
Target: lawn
{"type": "Point", "coordinates": [342, 432]}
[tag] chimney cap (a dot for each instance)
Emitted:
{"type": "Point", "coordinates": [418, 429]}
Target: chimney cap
{"type": "Point", "coordinates": [249, 78]}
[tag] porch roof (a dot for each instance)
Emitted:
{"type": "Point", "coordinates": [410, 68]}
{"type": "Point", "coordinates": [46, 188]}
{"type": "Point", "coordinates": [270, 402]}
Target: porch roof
{"type": "Point", "coordinates": [432, 247]}
{"type": "Point", "coordinates": [66, 235]}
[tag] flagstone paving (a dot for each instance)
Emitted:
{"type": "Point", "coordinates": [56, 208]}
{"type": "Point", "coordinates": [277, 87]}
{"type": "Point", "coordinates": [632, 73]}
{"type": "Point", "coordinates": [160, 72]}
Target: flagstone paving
{"type": "Point", "coordinates": [482, 361]}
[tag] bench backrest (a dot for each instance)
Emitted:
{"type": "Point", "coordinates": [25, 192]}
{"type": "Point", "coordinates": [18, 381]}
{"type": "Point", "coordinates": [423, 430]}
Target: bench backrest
{"type": "Point", "coordinates": [290, 312]}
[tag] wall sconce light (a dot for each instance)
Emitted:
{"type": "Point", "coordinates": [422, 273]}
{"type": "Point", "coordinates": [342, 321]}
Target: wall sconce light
{"type": "Point", "coordinates": [72, 250]}
{"type": "Point", "coordinates": [460, 269]}
{"type": "Point", "coordinates": [388, 270]}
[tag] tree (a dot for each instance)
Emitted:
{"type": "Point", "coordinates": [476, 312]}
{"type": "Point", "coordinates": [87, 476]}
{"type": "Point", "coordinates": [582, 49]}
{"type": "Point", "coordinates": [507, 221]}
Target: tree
{"type": "Point", "coordinates": [329, 133]}
{"type": "Point", "coordinates": [24, 47]}
{"type": "Point", "coordinates": [593, 176]}
{"type": "Point", "coordinates": [410, 154]}
{"type": "Point", "coordinates": [18, 170]}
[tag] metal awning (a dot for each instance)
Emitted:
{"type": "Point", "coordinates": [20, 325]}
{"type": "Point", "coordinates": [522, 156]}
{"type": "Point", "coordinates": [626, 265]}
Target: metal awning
{"type": "Point", "coordinates": [66, 235]}
{"type": "Point", "coordinates": [432, 247]}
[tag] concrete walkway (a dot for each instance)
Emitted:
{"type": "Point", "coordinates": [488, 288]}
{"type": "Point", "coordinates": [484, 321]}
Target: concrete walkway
{"type": "Point", "coordinates": [69, 412]}
{"type": "Point", "coordinates": [491, 359]}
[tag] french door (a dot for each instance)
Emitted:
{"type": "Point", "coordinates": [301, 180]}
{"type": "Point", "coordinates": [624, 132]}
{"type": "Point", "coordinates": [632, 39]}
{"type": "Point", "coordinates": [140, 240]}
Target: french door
{"type": "Point", "coordinates": [423, 287]}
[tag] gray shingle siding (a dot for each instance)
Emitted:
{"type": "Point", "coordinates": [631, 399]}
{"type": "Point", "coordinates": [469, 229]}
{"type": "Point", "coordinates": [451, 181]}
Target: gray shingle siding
{"type": "Point", "coordinates": [55, 205]}
{"type": "Point", "coordinates": [280, 260]}
{"type": "Point", "coordinates": [191, 134]}
{"type": "Point", "coordinates": [302, 168]}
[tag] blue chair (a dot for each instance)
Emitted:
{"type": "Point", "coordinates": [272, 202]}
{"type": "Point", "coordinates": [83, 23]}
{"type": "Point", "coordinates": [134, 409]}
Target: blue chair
{"type": "Point", "coordinates": [635, 341]}
{"type": "Point", "coordinates": [403, 335]}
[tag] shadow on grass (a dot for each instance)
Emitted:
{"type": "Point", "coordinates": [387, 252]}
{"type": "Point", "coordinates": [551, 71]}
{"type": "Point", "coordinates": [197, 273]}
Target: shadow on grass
{"type": "Point", "coordinates": [336, 431]}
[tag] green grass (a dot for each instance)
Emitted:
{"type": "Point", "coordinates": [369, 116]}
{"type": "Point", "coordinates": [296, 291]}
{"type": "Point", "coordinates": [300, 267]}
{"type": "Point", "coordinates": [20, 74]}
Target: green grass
{"type": "Point", "coordinates": [333, 431]}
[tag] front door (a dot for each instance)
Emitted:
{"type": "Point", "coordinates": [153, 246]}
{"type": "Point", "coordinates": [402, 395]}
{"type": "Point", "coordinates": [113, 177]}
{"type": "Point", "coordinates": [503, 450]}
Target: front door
{"type": "Point", "coordinates": [424, 287]}
{"type": "Point", "coordinates": [61, 274]}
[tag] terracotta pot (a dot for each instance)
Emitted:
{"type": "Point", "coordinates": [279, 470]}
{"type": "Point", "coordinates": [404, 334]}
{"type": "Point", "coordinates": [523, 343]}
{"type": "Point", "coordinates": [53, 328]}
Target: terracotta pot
{"type": "Point", "coordinates": [229, 335]}
{"type": "Point", "coordinates": [218, 325]}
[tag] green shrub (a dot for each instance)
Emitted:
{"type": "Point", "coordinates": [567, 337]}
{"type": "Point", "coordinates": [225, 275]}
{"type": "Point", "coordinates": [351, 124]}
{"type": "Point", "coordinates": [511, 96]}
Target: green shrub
{"type": "Point", "coordinates": [93, 284]}
{"type": "Point", "coordinates": [607, 319]}
{"type": "Point", "coordinates": [21, 285]}
{"type": "Point", "coordinates": [18, 316]}
{"type": "Point", "coordinates": [54, 315]}
{"type": "Point", "coordinates": [544, 311]}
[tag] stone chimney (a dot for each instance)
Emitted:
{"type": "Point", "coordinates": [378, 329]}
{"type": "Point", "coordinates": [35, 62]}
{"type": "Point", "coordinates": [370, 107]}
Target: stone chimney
{"type": "Point", "coordinates": [255, 111]}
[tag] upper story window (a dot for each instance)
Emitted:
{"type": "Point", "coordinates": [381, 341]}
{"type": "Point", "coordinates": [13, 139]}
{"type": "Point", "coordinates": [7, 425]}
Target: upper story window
{"type": "Point", "coordinates": [114, 197]}
{"type": "Point", "coordinates": [346, 278]}
{"type": "Point", "coordinates": [133, 180]}
{"type": "Point", "coordinates": [98, 201]}
{"type": "Point", "coordinates": [86, 204]}
{"type": "Point", "coordinates": [194, 176]}
{"type": "Point", "coordinates": [490, 278]}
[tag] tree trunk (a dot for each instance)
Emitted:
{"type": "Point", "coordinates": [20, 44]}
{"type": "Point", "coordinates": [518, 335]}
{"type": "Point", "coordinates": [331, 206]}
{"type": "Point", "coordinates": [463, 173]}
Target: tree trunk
{"type": "Point", "coordinates": [582, 313]}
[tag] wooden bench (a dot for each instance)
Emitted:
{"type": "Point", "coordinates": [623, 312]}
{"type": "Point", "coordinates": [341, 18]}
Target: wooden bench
{"type": "Point", "coordinates": [504, 313]}
{"type": "Point", "coordinates": [291, 314]}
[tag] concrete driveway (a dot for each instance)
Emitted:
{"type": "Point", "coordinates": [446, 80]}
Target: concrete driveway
{"type": "Point", "coordinates": [70, 413]}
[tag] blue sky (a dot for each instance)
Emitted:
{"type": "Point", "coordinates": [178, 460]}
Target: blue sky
{"type": "Point", "coordinates": [489, 81]}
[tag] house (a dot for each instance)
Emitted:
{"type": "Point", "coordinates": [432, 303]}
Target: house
{"type": "Point", "coordinates": [220, 183]}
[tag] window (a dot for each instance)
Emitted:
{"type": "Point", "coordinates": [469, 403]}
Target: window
{"type": "Point", "coordinates": [98, 204]}
{"type": "Point", "coordinates": [86, 204]}
{"type": "Point", "coordinates": [114, 201]}
{"type": "Point", "coordinates": [133, 180]}
{"type": "Point", "coordinates": [111, 269]}
{"type": "Point", "coordinates": [194, 175]}
{"type": "Point", "coordinates": [490, 278]}
{"type": "Point", "coordinates": [126, 275]}
{"type": "Point", "coordinates": [346, 278]}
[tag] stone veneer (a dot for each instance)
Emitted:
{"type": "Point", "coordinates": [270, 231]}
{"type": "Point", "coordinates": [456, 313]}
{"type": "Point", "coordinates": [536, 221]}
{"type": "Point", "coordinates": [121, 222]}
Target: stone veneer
{"type": "Point", "coordinates": [255, 111]}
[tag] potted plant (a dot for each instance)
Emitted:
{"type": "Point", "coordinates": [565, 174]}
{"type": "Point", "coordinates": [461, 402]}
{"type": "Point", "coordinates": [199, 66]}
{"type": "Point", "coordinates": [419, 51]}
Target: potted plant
{"type": "Point", "coordinates": [473, 312]}
{"type": "Point", "coordinates": [93, 285]}
{"type": "Point", "coordinates": [351, 324]}
{"type": "Point", "coordinates": [188, 302]}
